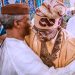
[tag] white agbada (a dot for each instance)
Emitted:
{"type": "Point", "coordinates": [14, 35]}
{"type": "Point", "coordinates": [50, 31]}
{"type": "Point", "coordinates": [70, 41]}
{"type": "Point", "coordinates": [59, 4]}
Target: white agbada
{"type": "Point", "coordinates": [19, 59]}
{"type": "Point", "coordinates": [71, 26]}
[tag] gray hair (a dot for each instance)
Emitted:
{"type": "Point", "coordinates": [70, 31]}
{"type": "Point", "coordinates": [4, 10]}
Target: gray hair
{"type": "Point", "coordinates": [8, 20]}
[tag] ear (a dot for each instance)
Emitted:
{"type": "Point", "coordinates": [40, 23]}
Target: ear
{"type": "Point", "coordinates": [16, 24]}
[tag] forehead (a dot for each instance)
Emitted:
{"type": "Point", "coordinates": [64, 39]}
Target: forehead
{"type": "Point", "coordinates": [27, 16]}
{"type": "Point", "coordinates": [22, 17]}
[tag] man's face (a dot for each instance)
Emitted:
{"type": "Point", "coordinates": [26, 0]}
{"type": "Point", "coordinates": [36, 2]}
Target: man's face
{"type": "Point", "coordinates": [48, 15]}
{"type": "Point", "coordinates": [49, 27]}
{"type": "Point", "coordinates": [25, 25]}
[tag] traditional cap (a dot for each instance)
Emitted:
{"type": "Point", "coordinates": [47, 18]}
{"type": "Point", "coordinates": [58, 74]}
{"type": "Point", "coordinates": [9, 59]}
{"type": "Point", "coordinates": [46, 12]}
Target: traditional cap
{"type": "Point", "coordinates": [50, 9]}
{"type": "Point", "coordinates": [15, 9]}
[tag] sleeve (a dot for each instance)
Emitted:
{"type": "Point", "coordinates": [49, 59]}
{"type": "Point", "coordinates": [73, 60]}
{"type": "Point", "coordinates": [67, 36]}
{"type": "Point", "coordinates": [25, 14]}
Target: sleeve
{"type": "Point", "coordinates": [68, 70]}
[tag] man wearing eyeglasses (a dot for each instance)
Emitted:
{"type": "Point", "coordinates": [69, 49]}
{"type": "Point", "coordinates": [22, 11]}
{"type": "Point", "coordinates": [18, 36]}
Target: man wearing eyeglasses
{"type": "Point", "coordinates": [48, 39]}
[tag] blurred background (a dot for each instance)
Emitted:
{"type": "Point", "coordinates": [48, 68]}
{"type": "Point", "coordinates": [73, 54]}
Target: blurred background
{"type": "Point", "coordinates": [70, 5]}
{"type": "Point", "coordinates": [70, 11]}
{"type": "Point", "coordinates": [36, 3]}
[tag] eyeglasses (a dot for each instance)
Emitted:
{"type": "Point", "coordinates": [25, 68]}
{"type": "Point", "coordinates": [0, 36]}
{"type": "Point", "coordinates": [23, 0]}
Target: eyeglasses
{"type": "Point", "coordinates": [46, 22]}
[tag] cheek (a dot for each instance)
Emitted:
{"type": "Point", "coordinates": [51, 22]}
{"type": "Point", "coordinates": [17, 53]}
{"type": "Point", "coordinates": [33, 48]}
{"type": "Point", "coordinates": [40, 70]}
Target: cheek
{"type": "Point", "coordinates": [56, 23]}
{"type": "Point", "coordinates": [27, 26]}
{"type": "Point", "coordinates": [24, 25]}
{"type": "Point", "coordinates": [21, 24]}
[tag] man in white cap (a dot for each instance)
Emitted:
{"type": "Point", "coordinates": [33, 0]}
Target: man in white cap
{"type": "Point", "coordinates": [48, 39]}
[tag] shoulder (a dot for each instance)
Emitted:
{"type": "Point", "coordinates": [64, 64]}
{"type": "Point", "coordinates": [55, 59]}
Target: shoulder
{"type": "Point", "coordinates": [70, 38]}
{"type": "Point", "coordinates": [64, 33]}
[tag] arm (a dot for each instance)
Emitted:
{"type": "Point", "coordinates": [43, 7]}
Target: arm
{"type": "Point", "coordinates": [25, 61]}
{"type": "Point", "coordinates": [68, 70]}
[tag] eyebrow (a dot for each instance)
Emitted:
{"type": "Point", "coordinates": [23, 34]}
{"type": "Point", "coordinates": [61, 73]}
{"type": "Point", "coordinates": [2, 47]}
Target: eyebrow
{"type": "Point", "coordinates": [52, 20]}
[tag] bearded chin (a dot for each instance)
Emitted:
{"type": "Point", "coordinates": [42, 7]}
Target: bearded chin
{"type": "Point", "coordinates": [27, 30]}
